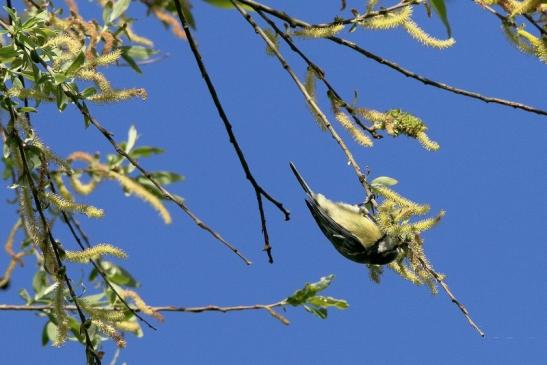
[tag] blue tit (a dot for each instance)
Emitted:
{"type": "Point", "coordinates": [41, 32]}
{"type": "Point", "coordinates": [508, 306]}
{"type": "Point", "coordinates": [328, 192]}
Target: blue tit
{"type": "Point", "coordinates": [350, 228]}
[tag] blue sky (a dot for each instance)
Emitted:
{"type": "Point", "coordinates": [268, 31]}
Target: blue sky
{"type": "Point", "coordinates": [490, 176]}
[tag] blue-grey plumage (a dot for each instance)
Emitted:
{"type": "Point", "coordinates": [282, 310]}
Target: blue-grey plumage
{"type": "Point", "coordinates": [350, 229]}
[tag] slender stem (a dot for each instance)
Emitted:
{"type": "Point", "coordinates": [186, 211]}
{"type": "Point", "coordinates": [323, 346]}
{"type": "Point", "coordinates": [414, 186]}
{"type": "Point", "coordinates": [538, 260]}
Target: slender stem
{"type": "Point", "coordinates": [169, 308]}
{"type": "Point", "coordinates": [260, 192]}
{"type": "Point", "coordinates": [448, 292]}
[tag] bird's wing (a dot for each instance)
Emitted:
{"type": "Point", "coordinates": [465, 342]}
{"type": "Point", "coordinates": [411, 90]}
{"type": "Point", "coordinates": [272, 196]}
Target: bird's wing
{"type": "Point", "coordinates": [342, 239]}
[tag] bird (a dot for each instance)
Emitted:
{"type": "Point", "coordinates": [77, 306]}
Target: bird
{"type": "Point", "coordinates": [352, 231]}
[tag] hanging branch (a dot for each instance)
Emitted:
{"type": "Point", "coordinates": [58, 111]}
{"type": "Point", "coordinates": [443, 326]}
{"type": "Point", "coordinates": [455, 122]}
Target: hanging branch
{"type": "Point", "coordinates": [84, 111]}
{"type": "Point", "coordinates": [259, 191]}
{"type": "Point", "coordinates": [91, 355]}
{"type": "Point", "coordinates": [294, 22]}
{"type": "Point", "coordinates": [67, 218]}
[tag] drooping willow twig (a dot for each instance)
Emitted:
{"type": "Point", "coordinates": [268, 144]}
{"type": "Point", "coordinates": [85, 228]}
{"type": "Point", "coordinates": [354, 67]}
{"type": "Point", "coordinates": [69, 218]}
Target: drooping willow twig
{"type": "Point", "coordinates": [294, 22]}
{"type": "Point", "coordinates": [91, 355]}
{"type": "Point", "coordinates": [84, 111]}
{"type": "Point", "coordinates": [259, 190]}
{"type": "Point", "coordinates": [67, 219]}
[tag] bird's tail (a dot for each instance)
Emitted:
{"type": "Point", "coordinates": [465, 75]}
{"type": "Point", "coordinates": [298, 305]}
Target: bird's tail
{"type": "Point", "coordinates": [301, 180]}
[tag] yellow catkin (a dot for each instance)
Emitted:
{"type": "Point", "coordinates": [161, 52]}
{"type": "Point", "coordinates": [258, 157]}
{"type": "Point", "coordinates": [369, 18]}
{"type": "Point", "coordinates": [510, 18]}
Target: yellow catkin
{"type": "Point", "coordinates": [526, 6]}
{"type": "Point", "coordinates": [66, 44]}
{"type": "Point", "coordinates": [97, 78]}
{"type": "Point", "coordinates": [539, 45]}
{"type": "Point", "coordinates": [119, 95]}
{"type": "Point", "coordinates": [108, 315]}
{"type": "Point", "coordinates": [388, 20]}
{"type": "Point", "coordinates": [139, 303]}
{"type": "Point", "coordinates": [372, 115]}
{"type": "Point", "coordinates": [107, 59]}
{"type": "Point", "coordinates": [127, 326]}
{"type": "Point", "coordinates": [426, 142]}
{"type": "Point", "coordinates": [94, 253]}
{"type": "Point", "coordinates": [70, 206]}
{"type": "Point", "coordinates": [419, 34]}
{"type": "Point", "coordinates": [520, 43]}
{"type": "Point", "coordinates": [110, 331]}
{"type": "Point", "coordinates": [319, 32]}
{"type": "Point", "coordinates": [310, 86]}
{"type": "Point", "coordinates": [82, 188]}
{"type": "Point", "coordinates": [429, 223]}
{"type": "Point", "coordinates": [405, 272]}
{"type": "Point", "coordinates": [356, 133]}
{"type": "Point", "coordinates": [63, 190]}
{"type": "Point", "coordinates": [137, 189]}
{"type": "Point", "coordinates": [396, 198]}
{"type": "Point", "coordinates": [59, 312]}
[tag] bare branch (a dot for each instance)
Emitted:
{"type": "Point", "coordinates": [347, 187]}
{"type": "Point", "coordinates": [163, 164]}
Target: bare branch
{"type": "Point", "coordinates": [260, 192]}
{"type": "Point", "coordinates": [169, 308]}
{"type": "Point", "coordinates": [448, 292]}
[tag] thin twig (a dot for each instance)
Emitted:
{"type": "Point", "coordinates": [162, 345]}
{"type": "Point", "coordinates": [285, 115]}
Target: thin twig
{"type": "Point", "coordinates": [307, 97]}
{"type": "Point", "coordinates": [294, 22]}
{"type": "Point", "coordinates": [319, 72]}
{"type": "Point", "coordinates": [260, 192]}
{"type": "Point", "coordinates": [448, 292]}
{"type": "Point", "coordinates": [169, 308]}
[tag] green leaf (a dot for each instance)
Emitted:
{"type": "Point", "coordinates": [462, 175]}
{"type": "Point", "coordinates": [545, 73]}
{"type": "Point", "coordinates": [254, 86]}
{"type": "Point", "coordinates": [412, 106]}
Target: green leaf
{"type": "Point", "coordinates": [309, 290]}
{"type": "Point", "coordinates": [23, 293]}
{"type": "Point", "coordinates": [139, 52]}
{"type": "Point", "coordinates": [440, 9]}
{"type": "Point", "coordinates": [384, 181]}
{"type": "Point", "coordinates": [26, 109]}
{"type": "Point", "coordinates": [226, 4]}
{"type": "Point", "coordinates": [131, 62]}
{"type": "Point", "coordinates": [320, 301]}
{"type": "Point", "coordinates": [118, 9]}
{"type": "Point", "coordinates": [76, 64]}
{"type": "Point", "coordinates": [39, 281]}
{"type": "Point", "coordinates": [145, 151]}
{"type": "Point", "coordinates": [49, 333]}
{"type": "Point", "coordinates": [7, 54]}
{"type": "Point", "coordinates": [107, 12]}
{"type": "Point", "coordinates": [319, 312]}
{"type": "Point", "coordinates": [118, 275]}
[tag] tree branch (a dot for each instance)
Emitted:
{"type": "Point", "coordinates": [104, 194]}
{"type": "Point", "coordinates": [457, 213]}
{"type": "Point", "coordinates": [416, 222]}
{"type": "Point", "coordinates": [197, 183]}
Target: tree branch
{"type": "Point", "coordinates": [260, 192]}
{"type": "Point", "coordinates": [294, 22]}
{"type": "Point", "coordinates": [307, 97]}
{"type": "Point", "coordinates": [208, 308]}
